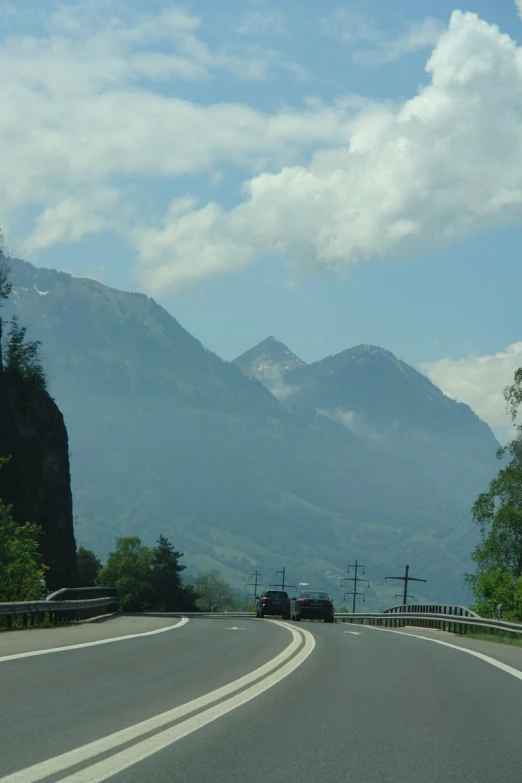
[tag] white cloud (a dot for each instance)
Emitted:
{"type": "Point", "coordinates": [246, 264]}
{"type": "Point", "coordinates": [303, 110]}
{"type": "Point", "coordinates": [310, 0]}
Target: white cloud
{"type": "Point", "coordinates": [421, 35]}
{"type": "Point", "coordinates": [341, 416]}
{"type": "Point", "coordinates": [377, 46]}
{"type": "Point", "coordinates": [267, 22]}
{"type": "Point", "coordinates": [479, 381]}
{"type": "Point", "coordinates": [80, 113]}
{"type": "Point", "coordinates": [75, 216]}
{"type": "Point", "coordinates": [518, 4]}
{"type": "Point", "coordinates": [412, 176]}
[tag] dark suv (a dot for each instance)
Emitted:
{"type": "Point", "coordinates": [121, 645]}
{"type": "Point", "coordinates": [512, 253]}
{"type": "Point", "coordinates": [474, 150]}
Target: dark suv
{"type": "Point", "coordinates": [274, 602]}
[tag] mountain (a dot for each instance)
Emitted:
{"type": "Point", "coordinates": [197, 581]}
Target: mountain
{"type": "Point", "coordinates": [270, 362]}
{"type": "Point", "coordinates": [167, 438]}
{"type": "Point", "coordinates": [392, 408]}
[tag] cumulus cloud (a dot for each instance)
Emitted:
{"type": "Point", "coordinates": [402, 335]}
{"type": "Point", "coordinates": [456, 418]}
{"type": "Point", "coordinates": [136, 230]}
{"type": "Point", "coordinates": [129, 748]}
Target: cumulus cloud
{"type": "Point", "coordinates": [411, 176]}
{"type": "Point", "coordinates": [83, 122]}
{"type": "Point", "coordinates": [86, 127]}
{"type": "Point", "coordinates": [479, 381]}
{"type": "Point", "coordinates": [518, 4]}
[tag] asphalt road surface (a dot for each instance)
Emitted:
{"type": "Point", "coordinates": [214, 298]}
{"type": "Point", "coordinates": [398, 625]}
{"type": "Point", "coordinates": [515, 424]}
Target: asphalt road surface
{"type": "Point", "coordinates": [256, 701]}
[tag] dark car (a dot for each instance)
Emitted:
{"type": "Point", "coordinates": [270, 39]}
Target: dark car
{"type": "Point", "coordinates": [274, 602]}
{"type": "Point", "coordinates": [313, 606]}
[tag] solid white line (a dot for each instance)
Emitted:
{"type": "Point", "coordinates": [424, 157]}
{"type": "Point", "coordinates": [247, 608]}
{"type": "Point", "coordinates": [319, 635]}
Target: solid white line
{"type": "Point", "coordinates": [80, 755]}
{"type": "Point", "coordinates": [492, 661]}
{"type": "Point", "coordinates": [142, 750]}
{"type": "Point", "coordinates": [33, 653]}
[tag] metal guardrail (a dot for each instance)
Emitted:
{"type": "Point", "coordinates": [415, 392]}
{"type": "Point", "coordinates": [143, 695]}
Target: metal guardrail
{"type": "Point", "coordinates": [35, 612]}
{"type": "Point", "coordinates": [458, 620]}
{"type": "Point", "coordinates": [82, 593]}
{"type": "Point", "coordinates": [445, 622]}
{"type": "Point", "coordinates": [451, 609]}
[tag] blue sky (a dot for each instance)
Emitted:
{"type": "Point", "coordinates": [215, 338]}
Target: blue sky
{"type": "Point", "coordinates": [330, 173]}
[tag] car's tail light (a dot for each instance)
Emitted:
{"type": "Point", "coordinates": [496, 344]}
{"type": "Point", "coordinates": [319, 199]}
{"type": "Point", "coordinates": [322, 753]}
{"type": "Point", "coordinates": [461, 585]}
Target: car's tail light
{"type": "Point", "coordinates": [304, 601]}
{"type": "Point", "coordinates": [328, 603]}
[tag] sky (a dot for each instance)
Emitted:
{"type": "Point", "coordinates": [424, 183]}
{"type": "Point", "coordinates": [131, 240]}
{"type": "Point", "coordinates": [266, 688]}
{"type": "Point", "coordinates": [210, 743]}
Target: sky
{"type": "Point", "coordinates": [329, 173]}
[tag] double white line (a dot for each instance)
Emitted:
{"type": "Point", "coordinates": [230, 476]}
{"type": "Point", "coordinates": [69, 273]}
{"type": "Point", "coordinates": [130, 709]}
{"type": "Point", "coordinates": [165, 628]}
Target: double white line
{"type": "Point", "coordinates": [140, 746]}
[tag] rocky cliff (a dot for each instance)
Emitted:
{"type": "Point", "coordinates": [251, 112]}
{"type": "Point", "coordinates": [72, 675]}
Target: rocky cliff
{"type": "Point", "coordinates": [36, 480]}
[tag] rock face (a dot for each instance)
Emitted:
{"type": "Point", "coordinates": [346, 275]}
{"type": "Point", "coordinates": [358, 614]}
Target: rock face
{"type": "Point", "coordinates": [36, 480]}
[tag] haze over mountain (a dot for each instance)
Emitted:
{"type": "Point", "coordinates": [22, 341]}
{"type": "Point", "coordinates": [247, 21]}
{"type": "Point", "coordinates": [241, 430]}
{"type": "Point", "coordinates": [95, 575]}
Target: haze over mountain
{"type": "Point", "coordinates": [361, 457]}
{"type": "Point", "coordinates": [381, 400]}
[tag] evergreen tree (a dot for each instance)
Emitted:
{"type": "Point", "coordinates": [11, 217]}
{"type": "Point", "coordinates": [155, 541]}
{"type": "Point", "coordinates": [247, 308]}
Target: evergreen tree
{"type": "Point", "coordinates": [5, 289]}
{"type": "Point", "coordinates": [168, 590]}
{"type": "Point", "coordinates": [22, 358]}
{"type": "Point", "coordinates": [89, 566]}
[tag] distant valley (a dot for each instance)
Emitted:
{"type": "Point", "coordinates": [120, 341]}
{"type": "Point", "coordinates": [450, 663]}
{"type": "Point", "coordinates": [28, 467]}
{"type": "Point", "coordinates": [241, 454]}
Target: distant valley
{"type": "Point", "coordinates": [260, 462]}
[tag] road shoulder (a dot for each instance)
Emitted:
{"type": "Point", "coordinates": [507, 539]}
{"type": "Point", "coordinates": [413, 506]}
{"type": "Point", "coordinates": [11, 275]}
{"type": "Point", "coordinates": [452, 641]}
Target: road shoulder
{"type": "Point", "coordinates": [35, 639]}
{"type": "Point", "coordinates": [505, 653]}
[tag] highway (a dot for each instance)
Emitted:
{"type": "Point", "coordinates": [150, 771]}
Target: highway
{"type": "Point", "coordinates": [256, 701]}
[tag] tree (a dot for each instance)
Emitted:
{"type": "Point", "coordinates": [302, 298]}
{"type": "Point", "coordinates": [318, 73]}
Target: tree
{"type": "Point", "coordinates": [21, 567]}
{"type": "Point", "coordinates": [214, 594]}
{"type": "Point", "coordinates": [22, 358]}
{"type": "Point", "coordinates": [498, 512]}
{"type": "Point", "coordinates": [129, 570]}
{"type": "Point", "coordinates": [168, 590]}
{"type": "Point", "coordinates": [5, 289]}
{"type": "Point", "coordinates": [495, 586]}
{"type": "Point", "coordinates": [89, 566]}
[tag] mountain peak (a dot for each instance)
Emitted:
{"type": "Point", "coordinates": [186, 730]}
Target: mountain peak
{"type": "Point", "coordinates": [365, 349]}
{"type": "Point", "coordinates": [269, 361]}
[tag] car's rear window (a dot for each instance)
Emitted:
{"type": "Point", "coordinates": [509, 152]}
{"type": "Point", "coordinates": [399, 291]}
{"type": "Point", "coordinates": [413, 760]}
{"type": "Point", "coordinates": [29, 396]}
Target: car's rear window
{"type": "Point", "coordinates": [276, 594]}
{"type": "Point", "coordinates": [315, 595]}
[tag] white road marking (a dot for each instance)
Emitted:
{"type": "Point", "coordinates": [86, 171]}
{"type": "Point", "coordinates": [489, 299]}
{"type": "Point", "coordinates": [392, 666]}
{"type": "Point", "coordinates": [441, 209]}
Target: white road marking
{"type": "Point", "coordinates": [145, 748]}
{"type": "Point", "coordinates": [136, 753]}
{"type": "Point", "coordinates": [235, 628]}
{"type": "Point", "coordinates": [31, 654]}
{"type": "Point", "coordinates": [355, 633]}
{"type": "Point", "coordinates": [492, 661]}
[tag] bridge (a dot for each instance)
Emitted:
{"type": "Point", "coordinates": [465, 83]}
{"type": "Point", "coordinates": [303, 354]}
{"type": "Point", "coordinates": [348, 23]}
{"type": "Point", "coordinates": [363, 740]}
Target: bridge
{"type": "Point", "coordinates": [401, 695]}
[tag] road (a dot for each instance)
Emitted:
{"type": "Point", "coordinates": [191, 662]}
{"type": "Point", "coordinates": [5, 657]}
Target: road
{"type": "Point", "coordinates": [253, 701]}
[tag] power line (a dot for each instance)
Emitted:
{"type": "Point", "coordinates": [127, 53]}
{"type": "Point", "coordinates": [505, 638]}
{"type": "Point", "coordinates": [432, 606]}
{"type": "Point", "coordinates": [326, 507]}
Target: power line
{"type": "Point", "coordinates": [283, 583]}
{"type": "Point", "coordinates": [406, 578]}
{"type": "Point", "coordinates": [430, 562]}
{"type": "Point", "coordinates": [354, 579]}
{"type": "Point", "coordinates": [254, 584]}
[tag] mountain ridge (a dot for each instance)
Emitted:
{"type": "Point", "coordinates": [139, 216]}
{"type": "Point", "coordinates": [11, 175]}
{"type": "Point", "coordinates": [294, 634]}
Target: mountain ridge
{"type": "Point", "coordinates": [167, 438]}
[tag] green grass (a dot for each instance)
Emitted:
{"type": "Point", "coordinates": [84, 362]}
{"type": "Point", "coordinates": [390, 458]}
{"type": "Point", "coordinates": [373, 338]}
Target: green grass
{"type": "Point", "coordinates": [500, 638]}
{"type": "Point", "coordinates": [19, 626]}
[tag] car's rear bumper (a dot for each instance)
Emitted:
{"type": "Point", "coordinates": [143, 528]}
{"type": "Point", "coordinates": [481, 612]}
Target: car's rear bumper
{"type": "Point", "coordinates": [275, 610]}
{"type": "Point", "coordinates": [314, 614]}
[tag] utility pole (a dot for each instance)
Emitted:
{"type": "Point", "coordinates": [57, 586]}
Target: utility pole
{"type": "Point", "coordinates": [354, 594]}
{"type": "Point", "coordinates": [400, 595]}
{"type": "Point", "coordinates": [355, 579]}
{"type": "Point", "coordinates": [255, 583]}
{"type": "Point", "coordinates": [406, 578]}
{"type": "Point", "coordinates": [283, 576]}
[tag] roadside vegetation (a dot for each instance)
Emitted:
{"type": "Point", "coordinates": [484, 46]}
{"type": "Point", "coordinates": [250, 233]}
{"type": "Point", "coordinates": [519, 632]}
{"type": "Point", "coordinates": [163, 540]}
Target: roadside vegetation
{"type": "Point", "coordinates": [498, 513]}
